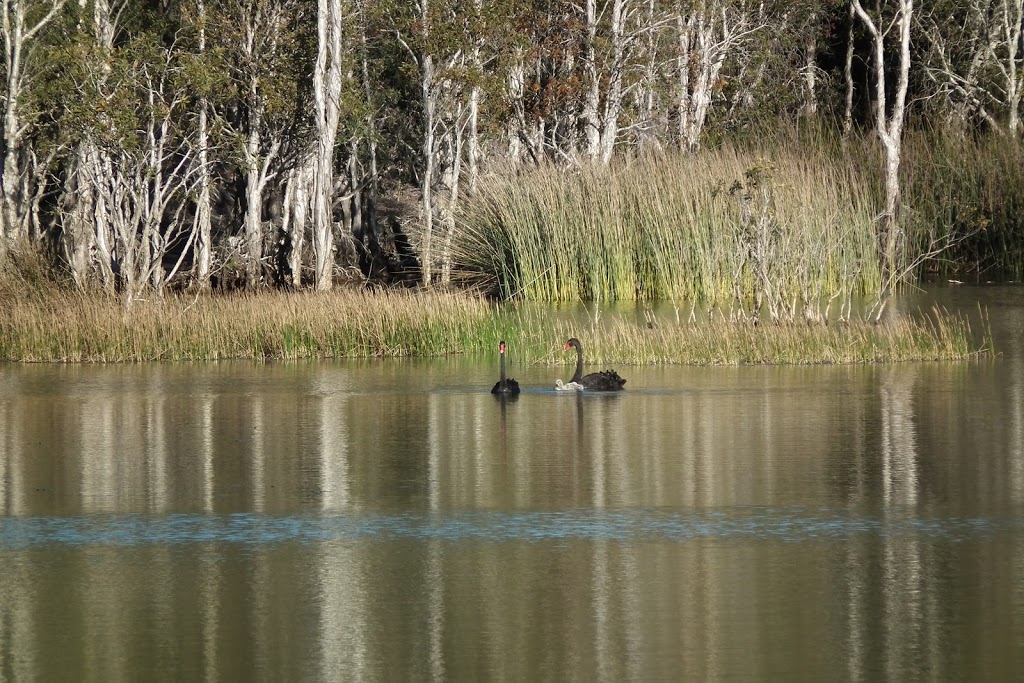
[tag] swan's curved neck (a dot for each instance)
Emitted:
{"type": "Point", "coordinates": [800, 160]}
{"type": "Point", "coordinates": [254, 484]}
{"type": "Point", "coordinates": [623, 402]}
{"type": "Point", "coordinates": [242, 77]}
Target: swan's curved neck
{"type": "Point", "coordinates": [503, 383]}
{"type": "Point", "coordinates": [579, 365]}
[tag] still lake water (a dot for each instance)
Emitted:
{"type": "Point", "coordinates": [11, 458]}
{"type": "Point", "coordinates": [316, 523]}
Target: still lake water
{"type": "Point", "coordinates": [392, 520]}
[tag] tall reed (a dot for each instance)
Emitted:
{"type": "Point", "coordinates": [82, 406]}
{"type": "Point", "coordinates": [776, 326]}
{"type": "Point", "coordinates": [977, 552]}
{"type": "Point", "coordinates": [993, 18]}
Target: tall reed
{"type": "Point", "coordinates": [966, 193]}
{"type": "Point", "coordinates": [962, 195]}
{"type": "Point", "coordinates": [667, 228]}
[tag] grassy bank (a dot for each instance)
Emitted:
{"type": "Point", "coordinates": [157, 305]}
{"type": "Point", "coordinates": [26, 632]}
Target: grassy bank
{"type": "Point", "coordinates": [74, 327]}
{"type": "Point", "coordinates": [65, 326]}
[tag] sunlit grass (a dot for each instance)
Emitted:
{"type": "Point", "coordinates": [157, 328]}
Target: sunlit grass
{"type": "Point", "coordinates": [669, 228]}
{"type": "Point", "coordinates": [76, 327]}
{"type": "Point", "coordinates": [68, 326]}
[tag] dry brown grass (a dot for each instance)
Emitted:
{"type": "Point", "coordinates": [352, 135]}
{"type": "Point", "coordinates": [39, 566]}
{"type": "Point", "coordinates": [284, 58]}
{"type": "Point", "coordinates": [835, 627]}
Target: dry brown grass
{"type": "Point", "coordinates": [64, 325]}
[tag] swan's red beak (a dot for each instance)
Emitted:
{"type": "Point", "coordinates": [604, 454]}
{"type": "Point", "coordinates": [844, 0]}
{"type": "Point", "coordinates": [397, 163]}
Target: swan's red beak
{"type": "Point", "coordinates": [501, 347]}
{"type": "Point", "coordinates": [567, 346]}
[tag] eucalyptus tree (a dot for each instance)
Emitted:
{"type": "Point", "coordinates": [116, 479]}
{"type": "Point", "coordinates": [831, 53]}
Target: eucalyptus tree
{"type": "Point", "coordinates": [808, 25]}
{"type": "Point", "coordinates": [708, 32]}
{"type": "Point", "coordinates": [137, 123]}
{"type": "Point", "coordinates": [330, 190]}
{"type": "Point", "coordinates": [542, 81]}
{"type": "Point", "coordinates": [475, 68]}
{"type": "Point", "coordinates": [203, 251]}
{"type": "Point", "coordinates": [378, 135]}
{"type": "Point", "coordinates": [619, 58]}
{"type": "Point", "coordinates": [202, 81]}
{"type": "Point", "coordinates": [327, 82]}
{"type": "Point", "coordinates": [579, 76]}
{"type": "Point", "coordinates": [255, 48]}
{"type": "Point", "coordinates": [471, 102]}
{"type": "Point", "coordinates": [361, 129]}
{"type": "Point", "coordinates": [23, 29]}
{"type": "Point", "coordinates": [851, 23]}
{"type": "Point", "coordinates": [419, 30]}
{"type": "Point", "coordinates": [889, 114]}
{"type": "Point", "coordinates": [975, 57]}
{"type": "Point", "coordinates": [86, 232]}
{"type": "Point", "coordinates": [436, 37]}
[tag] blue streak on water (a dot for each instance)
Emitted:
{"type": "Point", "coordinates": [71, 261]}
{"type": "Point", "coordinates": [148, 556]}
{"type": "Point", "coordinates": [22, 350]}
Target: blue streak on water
{"type": "Point", "coordinates": [593, 525]}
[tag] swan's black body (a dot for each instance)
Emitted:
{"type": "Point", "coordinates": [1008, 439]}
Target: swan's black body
{"type": "Point", "coordinates": [504, 386]}
{"type": "Point", "coordinates": [606, 380]}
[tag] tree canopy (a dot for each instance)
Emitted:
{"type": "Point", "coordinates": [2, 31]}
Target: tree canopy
{"type": "Point", "coordinates": [189, 143]}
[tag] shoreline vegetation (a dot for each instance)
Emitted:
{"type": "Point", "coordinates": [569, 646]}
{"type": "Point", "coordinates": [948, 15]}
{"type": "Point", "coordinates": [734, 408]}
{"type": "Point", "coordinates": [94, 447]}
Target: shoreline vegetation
{"type": "Point", "coordinates": [776, 243]}
{"type": "Point", "coordinates": [69, 326]}
{"type": "Point", "coordinates": [784, 173]}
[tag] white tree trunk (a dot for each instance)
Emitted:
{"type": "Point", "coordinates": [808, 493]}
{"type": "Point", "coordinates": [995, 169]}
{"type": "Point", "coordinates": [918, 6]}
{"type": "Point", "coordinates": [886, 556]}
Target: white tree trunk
{"type": "Point", "coordinates": [1011, 22]}
{"type": "Point", "coordinates": [453, 175]}
{"type": "Point", "coordinates": [94, 164]}
{"type": "Point", "coordinates": [258, 157]}
{"type": "Point", "coordinates": [78, 235]}
{"type": "Point", "coordinates": [429, 162]}
{"type": "Point", "coordinates": [606, 70]}
{"type": "Point", "coordinates": [518, 131]}
{"type": "Point", "coordinates": [97, 166]}
{"type": "Point", "coordinates": [705, 38]}
{"type": "Point", "coordinates": [890, 127]}
{"type": "Point", "coordinates": [296, 212]}
{"type": "Point", "coordinates": [646, 95]}
{"type": "Point", "coordinates": [810, 70]}
{"type": "Point", "coordinates": [591, 105]}
{"type": "Point", "coordinates": [203, 256]}
{"type": "Point", "coordinates": [683, 36]}
{"type": "Point", "coordinates": [327, 92]}
{"type": "Point", "coordinates": [253, 222]}
{"type": "Point", "coordinates": [848, 74]}
{"type": "Point", "coordinates": [428, 97]}
{"type": "Point", "coordinates": [613, 99]}
{"type": "Point", "coordinates": [371, 126]}
{"type": "Point", "coordinates": [17, 36]}
{"type": "Point", "coordinates": [473, 144]}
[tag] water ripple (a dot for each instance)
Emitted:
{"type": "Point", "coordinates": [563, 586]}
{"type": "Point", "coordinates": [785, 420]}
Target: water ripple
{"type": "Point", "coordinates": [594, 525]}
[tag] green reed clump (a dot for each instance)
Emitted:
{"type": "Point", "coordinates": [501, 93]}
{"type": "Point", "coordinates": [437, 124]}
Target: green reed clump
{"type": "Point", "coordinates": [668, 228]}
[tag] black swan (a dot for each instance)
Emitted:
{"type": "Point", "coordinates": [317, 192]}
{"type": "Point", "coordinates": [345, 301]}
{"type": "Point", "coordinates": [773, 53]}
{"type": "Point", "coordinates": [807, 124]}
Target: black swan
{"type": "Point", "coordinates": [606, 380]}
{"type": "Point", "coordinates": [504, 386]}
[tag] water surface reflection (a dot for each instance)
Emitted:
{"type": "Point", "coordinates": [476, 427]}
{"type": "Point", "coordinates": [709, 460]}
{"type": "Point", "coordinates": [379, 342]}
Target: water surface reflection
{"type": "Point", "coordinates": [394, 520]}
